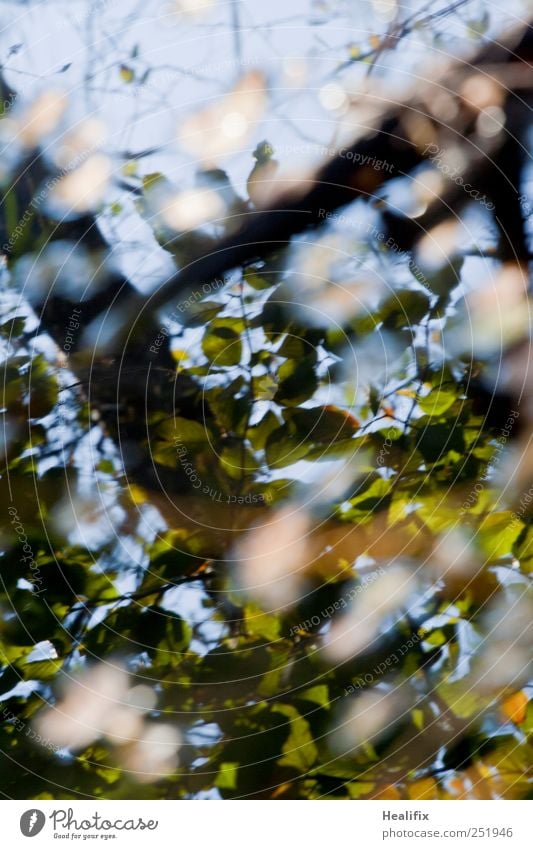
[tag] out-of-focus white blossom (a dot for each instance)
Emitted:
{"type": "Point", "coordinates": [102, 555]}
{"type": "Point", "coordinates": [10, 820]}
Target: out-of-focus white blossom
{"type": "Point", "coordinates": [99, 703]}
{"type": "Point", "coordinates": [84, 188]}
{"type": "Point", "coordinates": [81, 141]}
{"type": "Point", "coordinates": [154, 754]}
{"type": "Point", "coordinates": [190, 209]}
{"type": "Point", "coordinates": [36, 121]}
{"type": "Point", "coordinates": [494, 316]}
{"type": "Point", "coordinates": [333, 97]}
{"type": "Point", "coordinates": [504, 659]}
{"type": "Point", "coordinates": [272, 558]}
{"type": "Point", "coordinates": [371, 715]}
{"type": "Point", "coordinates": [385, 9]}
{"type": "Point", "coordinates": [176, 12]}
{"type": "Point", "coordinates": [354, 631]}
{"type": "Point", "coordinates": [222, 128]}
{"type": "Point", "coordinates": [93, 706]}
{"type": "Point", "coordinates": [325, 285]}
{"type": "Point", "coordinates": [454, 556]}
{"type": "Point", "coordinates": [441, 244]}
{"type": "Point", "coordinates": [491, 121]}
{"type": "Point", "coordinates": [482, 90]}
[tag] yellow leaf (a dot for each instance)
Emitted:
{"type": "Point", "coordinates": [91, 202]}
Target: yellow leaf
{"type": "Point", "coordinates": [515, 707]}
{"type": "Point", "coordinates": [426, 788]}
{"type": "Point", "coordinates": [389, 792]}
{"type": "Point", "coordinates": [129, 169]}
{"type": "Point", "coordinates": [127, 75]}
{"type": "Point", "coordinates": [137, 494]}
{"type": "Point", "coordinates": [179, 355]}
{"type": "Point", "coordinates": [418, 718]}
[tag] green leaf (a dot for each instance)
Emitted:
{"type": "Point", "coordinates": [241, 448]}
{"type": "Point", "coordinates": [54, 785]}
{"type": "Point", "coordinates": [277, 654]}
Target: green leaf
{"type": "Point", "coordinates": [437, 440]}
{"type": "Point", "coordinates": [299, 750]}
{"type": "Point", "coordinates": [259, 433]}
{"type": "Point", "coordinates": [405, 308]}
{"type": "Point", "coordinates": [43, 391]}
{"type": "Point", "coordinates": [183, 431]}
{"type": "Point", "coordinates": [498, 532]}
{"type": "Point", "coordinates": [318, 695]}
{"type": "Point", "coordinates": [283, 449]}
{"type": "Point", "coordinates": [237, 460]}
{"type": "Point", "coordinates": [260, 624]}
{"type": "Point", "coordinates": [462, 699]}
{"type": "Point", "coordinates": [296, 347]}
{"type": "Point", "coordinates": [259, 281]}
{"type": "Point", "coordinates": [448, 277]}
{"type": "Point", "coordinates": [297, 382]}
{"type": "Point", "coordinates": [375, 494]}
{"type": "Point", "coordinates": [321, 425]}
{"type": "Point", "coordinates": [437, 401]}
{"type": "Point", "coordinates": [227, 776]}
{"type": "Point", "coordinates": [199, 313]}
{"type": "Point", "coordinates": [231, 412]}
{"type": "Point", "coordinates": [222, 342]}
{"type": "Point", "coordinates": [14, 327]}
{"type": "Point", "coordinates": [265, 387]}
{"type": "Point", "coordinates": [42, 670]}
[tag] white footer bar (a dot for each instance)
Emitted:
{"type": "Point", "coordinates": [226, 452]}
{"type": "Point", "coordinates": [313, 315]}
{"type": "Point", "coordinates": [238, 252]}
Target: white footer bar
{"type": "Point", "coordinates": [282, 825]}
